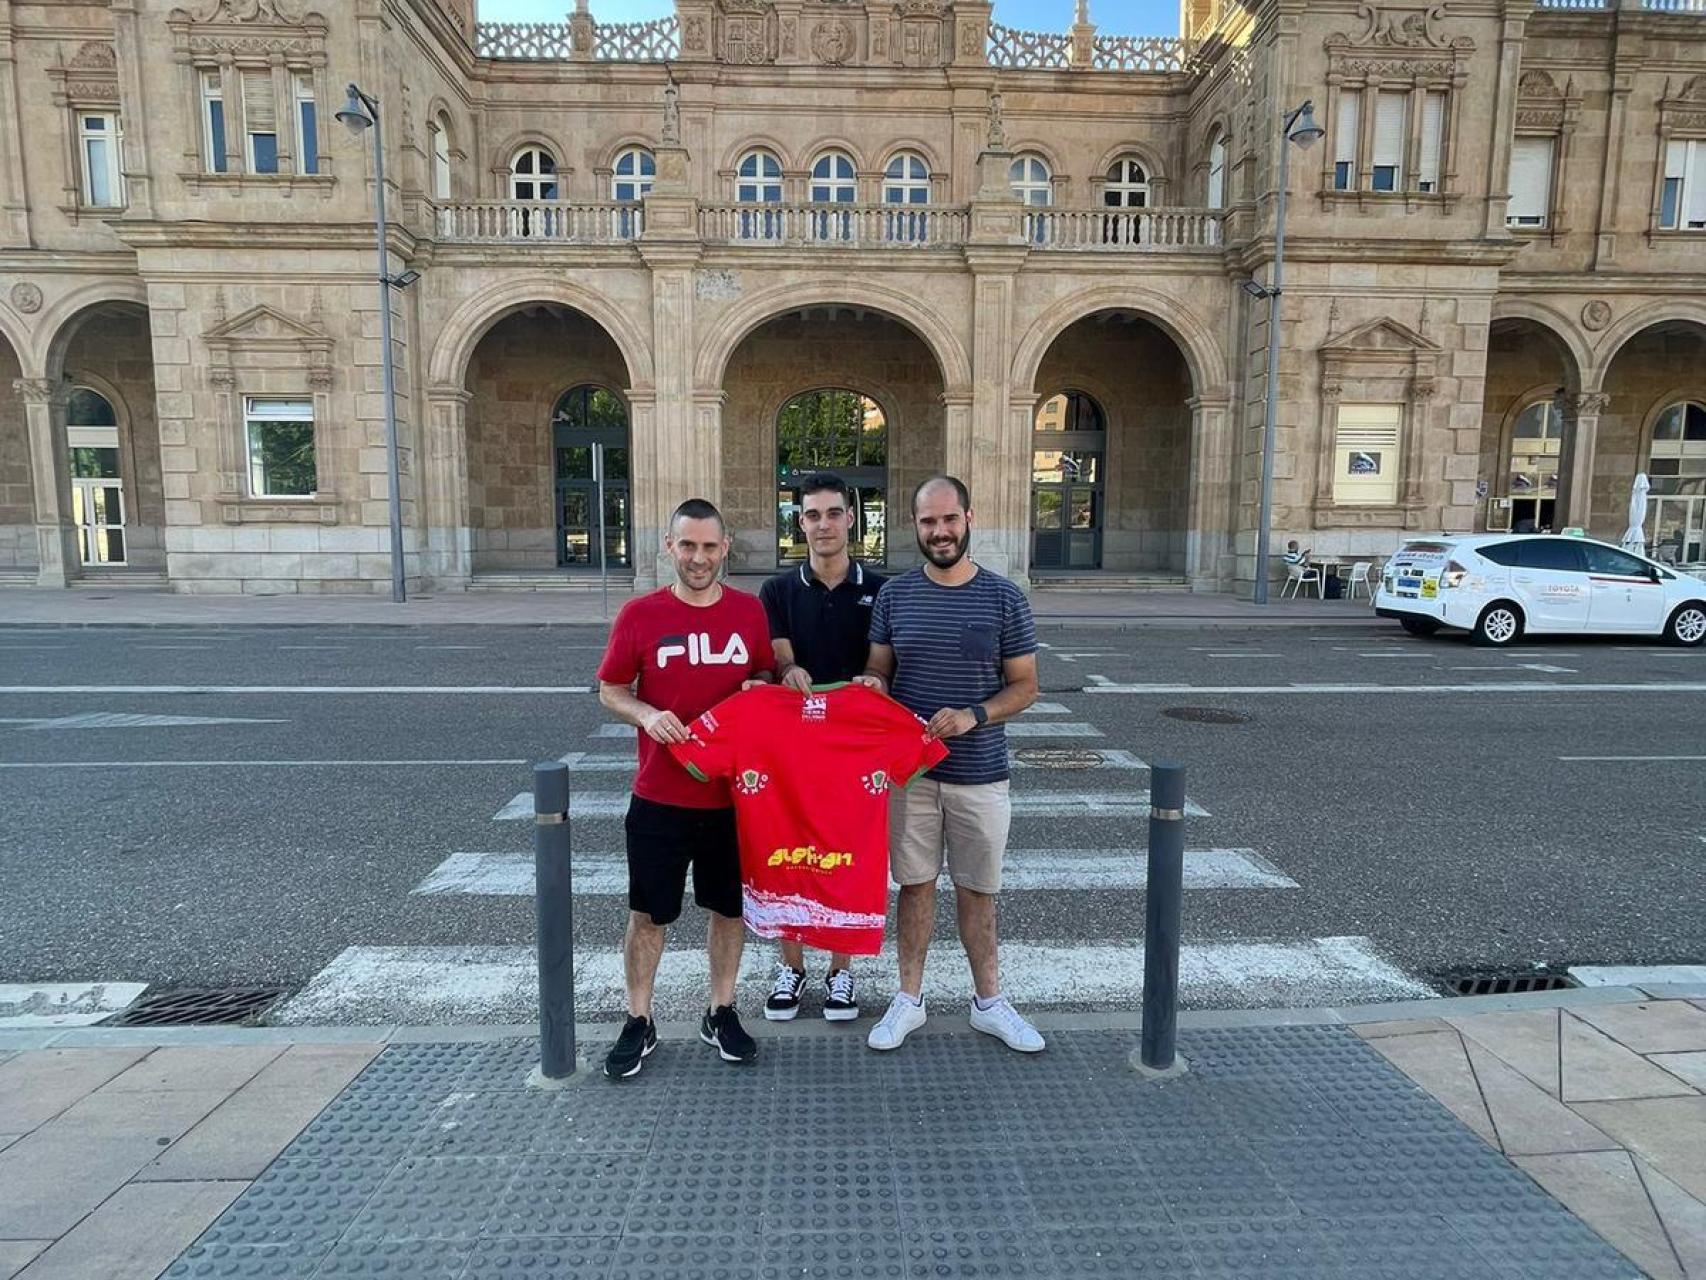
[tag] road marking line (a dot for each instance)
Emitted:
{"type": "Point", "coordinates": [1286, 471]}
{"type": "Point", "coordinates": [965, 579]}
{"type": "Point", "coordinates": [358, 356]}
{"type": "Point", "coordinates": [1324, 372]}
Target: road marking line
{"type": "Point", "coordinates": [123, 720]}
{"type": "Point", "coordinates": [313, 648]}
{"type": "Point", "coordinates": [623, 761]}
{"type": "Point", "coordinates": [609, 730]}
{"type": "Point", "coordinates": [1242, 655]}
{"type": "Point", "coordinates": [442, 985]}
{"type": "Point", "coordinates": [1632, 759]}
{"type": "Point", "coordinates": [245, 764]}
{"type": "Point", "coordinates": [1111, 758]}
{"type": "Point", "coordinates": [605, 874]}
{"type": "Point", "coordinates": [523, 689]}
{"type": "Point", "coordinates": [1543, 667]}
{"type": "Point", "coordinates": [1048, 709]}
{"type": "Point", "coordinates": [25, 1005]}
{"type": "Point", "coordinates": [613, 804]}
{"type": "Point", "coordinates": [1490, 686]}
{"type": "Point", "coordinates": [1052, 729]}
{"type": "Point", "coordinates": [448, 647]}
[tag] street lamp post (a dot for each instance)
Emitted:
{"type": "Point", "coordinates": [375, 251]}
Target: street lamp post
{"type": "Point", "coordinates": [1299, 128]}
{"type": "Point", "coordinates": [360, 113]}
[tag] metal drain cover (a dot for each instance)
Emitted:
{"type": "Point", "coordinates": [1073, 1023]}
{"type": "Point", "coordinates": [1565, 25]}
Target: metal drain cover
{"type": "Point", "coordinates": [192, 1006]}
{"type": "Point", "coordinates": [1058, 758]}
{"type": "Point", "coordinates": [1488, 984]}
{"type": "Point", "coordinates": [1206, 715]}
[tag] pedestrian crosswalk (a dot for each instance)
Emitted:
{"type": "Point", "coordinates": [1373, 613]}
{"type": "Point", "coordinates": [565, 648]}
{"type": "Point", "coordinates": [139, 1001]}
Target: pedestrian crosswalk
{"type": "Point", "coordinates": [1070, 908]}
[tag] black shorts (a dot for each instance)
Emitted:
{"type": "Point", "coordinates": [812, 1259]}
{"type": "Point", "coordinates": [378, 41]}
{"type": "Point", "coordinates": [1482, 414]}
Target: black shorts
{"type": "Point", "coordinates": [663, 841]}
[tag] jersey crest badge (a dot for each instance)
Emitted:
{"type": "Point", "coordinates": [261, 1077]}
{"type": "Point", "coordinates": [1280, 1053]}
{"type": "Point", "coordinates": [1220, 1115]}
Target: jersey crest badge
{"type": "Point", "coordinates": [814, 707]}
{"type": "Point", "coordinates": [749, 782]}
{"type": "Point", "coordinates": [876, 781]}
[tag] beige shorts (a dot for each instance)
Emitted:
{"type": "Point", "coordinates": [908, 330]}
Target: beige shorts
{"type": "Point", "coordinates": [969, 823]}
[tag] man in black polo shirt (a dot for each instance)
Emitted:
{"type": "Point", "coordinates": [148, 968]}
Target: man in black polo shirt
{"type": "Point", "coordinates": [820, 623]}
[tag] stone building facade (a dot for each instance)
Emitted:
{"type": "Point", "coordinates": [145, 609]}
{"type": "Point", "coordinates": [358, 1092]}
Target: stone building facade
{"type": "Point", "coordinates": [886, 236]}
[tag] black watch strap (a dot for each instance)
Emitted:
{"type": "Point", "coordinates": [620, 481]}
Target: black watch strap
{"type": "Point", "coordinates": [980, 713]}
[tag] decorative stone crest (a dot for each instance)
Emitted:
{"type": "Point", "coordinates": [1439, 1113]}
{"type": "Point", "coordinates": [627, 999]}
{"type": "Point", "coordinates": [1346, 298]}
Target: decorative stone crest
{"type": "Point", "coordinates": [26, 297]}
{"type": "Point", "coordinates": [1596, 314]}
{"type": "Point", "coordinates": [749, 32]}
{"type": "Point", "coordinates": [832, 41]}
{"type": "Point", "coordinates": [281, 11]}
{"type": "Point", "coordinates": [1401, 29]}
{"type": "Point", "coordinates": [693, 35]}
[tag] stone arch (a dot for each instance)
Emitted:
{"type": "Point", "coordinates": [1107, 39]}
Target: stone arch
{"type": "Point", "coordinates": [733, 327]}
{"type": "Point", "coordinates": [1147, 155]}
{"type": "Point", "coordinates": [756, 142]}
{"type": "Point", "coordinates": [59, 322]}
{"type": "Point", "coordinates": [1195, 338]}
{"type": "Point", "coordinates": [917, 146]}
{"type": "Point", "coordinates": [1619, 335]}
{"type": "Point", "coordinates": [1050, 154]}
{"type": "Point", "coordinates": [818, 147]}
{"type": "Point", "coordinates": [1567, 335]}
{"type": "Point", "coordinates": [475, 316]}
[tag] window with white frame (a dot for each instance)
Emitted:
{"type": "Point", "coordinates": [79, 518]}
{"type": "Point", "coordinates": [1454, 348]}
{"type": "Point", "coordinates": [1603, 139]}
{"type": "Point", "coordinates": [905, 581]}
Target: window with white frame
{"type": "Point", "coordinates": [101, 158]}
{"type": "Point", "coordinates": [834, 180]}
{"type": "Point", "coordinates": [1127, 186]}
{"type": "Point", "coordinates": [635, 171]}
{"type": "Point", "coordinates": [906, 179]}
{"type": "Point", "coordinates": [1217, 172]}
{"type": "Point", "coordinates": [307, 124]}
{"type": "Point", "coordinates": [533, 175]}
{"type": "Point", "coordinates": [1530, 183]}
{"type": "Point", "coordinates": [440, 158]}
{"type": "Point", "coordinates": [280, 441]}
{"type": "Point", "coordinates": [1682, 199]}
{"type": "Point", "coordinates": [1365, 454]}
{"type": "Point", "coordinates": [1391, 116]}
{"type": "Point", "coordinates": [1432, 142]}
{"type": "Point", "coordinates": [213, 121]}
{"type": "Point", "coordinates": [260, 122]}
{"type": "Point", "coordinates": [758, 178]}
{"type": "Point", "coordinates": [1677, 465]}
{"type": "Point", "coordinates": [1031, 181]}
{"type": "Point", "coordinates": [1346, 139]}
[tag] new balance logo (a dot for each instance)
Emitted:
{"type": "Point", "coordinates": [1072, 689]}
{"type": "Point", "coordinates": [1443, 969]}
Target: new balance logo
{"type": "Point", "coordinates": [697, 648]}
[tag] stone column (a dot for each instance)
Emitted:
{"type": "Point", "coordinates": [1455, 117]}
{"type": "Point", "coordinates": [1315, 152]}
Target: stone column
{"type": "Point", "coordinates": [1576, 457]}
{"type": "Point", "coordinates": [57, 559]}
{"type": "Point", "coordinates": [449, 523]}
{"type": "Point", "coordinates": [1504, 108]}
{"type": "Point", "coordinates": [1208, 518]}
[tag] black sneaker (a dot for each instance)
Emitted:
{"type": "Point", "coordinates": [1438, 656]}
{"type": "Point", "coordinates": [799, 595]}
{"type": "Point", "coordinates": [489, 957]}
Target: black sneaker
{"type": "Point", "coordinates": [784, 1001]}
{"type": "Point", "coordinates": [721, 1027]}
{"type": "Point", "coordinates": [639, 1037]}
{"type": "Point", "coordinates": [840, 1001]}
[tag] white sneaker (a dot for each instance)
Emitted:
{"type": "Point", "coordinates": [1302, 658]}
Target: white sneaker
{"type": "Point", "coordinates": [1004, 1022]}
{"type": "Point", "coordinates": [902, 1019]}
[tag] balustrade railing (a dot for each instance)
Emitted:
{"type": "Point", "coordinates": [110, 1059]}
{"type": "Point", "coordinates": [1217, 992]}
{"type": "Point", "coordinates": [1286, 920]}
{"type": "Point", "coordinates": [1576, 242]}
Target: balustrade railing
{"type": "Point", "coordinates": [540, 220]}
{"type": "Point", "coordinates": [1139, 53]}
{"type": "Point", "coordinates": [1123, 230]}
{"type": "Point", "coordinates": [1010, 47]}
{"type": "Point", "coordinates": [834, 225]}
{"type": "Point", "coordinates": [655, 41]}
{"type": "Point", "coordinates": [536, 41]}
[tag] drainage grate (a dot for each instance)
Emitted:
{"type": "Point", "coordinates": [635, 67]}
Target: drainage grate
{"type": "Point", "coordinates": [1206, 715]}
{"type": "Point", "coordinates": [188, 1006]}
{"type": "Point", "coordinates": [1486, 984]}
{"type": "Point", "coordinates": [1058, 758]}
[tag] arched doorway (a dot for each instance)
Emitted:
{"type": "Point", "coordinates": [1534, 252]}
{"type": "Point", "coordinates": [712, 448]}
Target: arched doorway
{"type": "Point", "coordinates": [846, 433]}
{"type": "Point", "coordinates": [1531, 471]}
{"type": "Point", "coordinates": [589, 443]}
{"type": "Point", "coordinates": [1676, 470]}
{"type": "Point", "coordinates": [1069, 441]}
{"type": "Point", "coordinates": [1532, 379]}
{"type": "Point", "coordinates": [1653, 420]}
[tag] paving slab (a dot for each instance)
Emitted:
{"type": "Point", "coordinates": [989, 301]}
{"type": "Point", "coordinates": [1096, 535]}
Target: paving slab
{"type": "Point", "coordinates": [239, 1138]}
{"type": "Point", "coordinates": [49, 1181]}
{"type": "Point", "coordinates": [136, 1233]}
{"type": "Point", "coordinates": [1669, 1133]}
{"type": "Point", "coordinates": [1604, 1190]}
{"type": "Point", "coordinates": [1595, 1068]}
{"type": "Point", "coordinates": [1529, 1120]}
{"type": "Point", "coordinates": [36, 1086]}
{"type": "Point", "coordinates": [1436, 1060]}
{"type": "Point", "coordinates": [1690, 1067]}
{"type": "Point", "coordinates": [1684, 1218]}
{"type": "Point", "coordinates": [1400, 1027]}
{"type": "Point", "coordinates": [1654, 1026]}
{"type": "Point", "coordinates": [15, 1255]}
{"type": "Point", "coordinates": [182, 1067]}
{"type": "Point", "coordinates": [163, 1116]}
{"type": "Point", "coordinates": [1526, 1040]}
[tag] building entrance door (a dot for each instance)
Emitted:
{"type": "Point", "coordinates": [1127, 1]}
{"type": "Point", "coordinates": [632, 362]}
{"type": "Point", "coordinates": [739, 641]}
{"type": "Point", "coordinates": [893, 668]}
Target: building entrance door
{"type": "Point", "coordinates": [97, 489]}
{"type": "Point", "coordinates": [1067, 493]}
{"type": "Point", "coordinates": [587, 417]}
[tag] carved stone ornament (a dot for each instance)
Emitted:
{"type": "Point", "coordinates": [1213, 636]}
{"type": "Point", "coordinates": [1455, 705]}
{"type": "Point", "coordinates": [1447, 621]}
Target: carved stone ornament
{"type": "Point", "coordinates": [266, 332]}
{"type": "Point", "coordinates": [91, 77]}
{"type": "Point", "coordinates": [94, 56]}
{"type": "Point", "coordinates": [832, 41]}
{"type": "Point", "coordinates": [280, 11]}
{"type": "Point", "coordinates": [749, 32]}
{"type": "Point", "coordinates": [693, 35]}
{"type": "Point", "coordinates": [26, 297]}
{"type": "Point", "coordinates": [997, 127]}
{"type": "Point", "coordinates": [1399, 28]}
{"type": "Point", "coordinates": [36, 390]}
{"type": "Point", "coordinates": [1596, 314]}
{"type": "Point", "coordinates": [1592, 405]}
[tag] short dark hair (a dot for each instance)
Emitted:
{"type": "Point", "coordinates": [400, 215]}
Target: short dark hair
{"type": "Point", "coordinates": [960, 490]}
{"type": "Point", "coordinates": [827, 482]}
{"type": "Point", "coordinates": [697, 509]}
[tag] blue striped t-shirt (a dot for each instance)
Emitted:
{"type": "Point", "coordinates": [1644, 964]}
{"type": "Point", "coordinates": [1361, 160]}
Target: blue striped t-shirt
{"type": "Point", "coordinates": [949, 644]}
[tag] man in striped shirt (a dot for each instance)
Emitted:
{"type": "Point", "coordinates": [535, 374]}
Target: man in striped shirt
{"type": "Point", "coordinates": [956, 645]}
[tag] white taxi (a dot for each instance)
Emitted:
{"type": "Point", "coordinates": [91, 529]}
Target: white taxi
{"type": "Point", "coordinates": [1497, 586]}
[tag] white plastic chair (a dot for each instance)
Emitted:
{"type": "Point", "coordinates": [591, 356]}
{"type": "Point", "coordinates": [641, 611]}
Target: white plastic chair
{"type": "Point", "coordinates": [1359, 577]}
{"type": "Point", "coordinates": [1298, 576]}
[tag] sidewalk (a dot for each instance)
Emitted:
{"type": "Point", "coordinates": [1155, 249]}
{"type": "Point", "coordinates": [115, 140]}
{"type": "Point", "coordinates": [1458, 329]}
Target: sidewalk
{"type": "Point", "coordinates": [1293, 1147]}
{"type": "Point", "coordinates": [94, 606]}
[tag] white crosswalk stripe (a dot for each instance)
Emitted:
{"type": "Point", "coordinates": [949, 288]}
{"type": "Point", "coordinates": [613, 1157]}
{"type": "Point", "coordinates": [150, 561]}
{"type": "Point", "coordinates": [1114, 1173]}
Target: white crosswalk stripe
{"type": "Point", "coordinates": [1052, 729]}
{"type": "Point", "coordinates": [1041, 804]}
{"type": "Point", "coordinates": [1022, 758]}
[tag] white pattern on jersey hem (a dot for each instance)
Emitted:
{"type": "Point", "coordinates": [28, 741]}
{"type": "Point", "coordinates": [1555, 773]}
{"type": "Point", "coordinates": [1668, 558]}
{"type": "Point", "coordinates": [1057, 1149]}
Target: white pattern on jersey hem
{"type": "Point", "coordinates": [767, 914]}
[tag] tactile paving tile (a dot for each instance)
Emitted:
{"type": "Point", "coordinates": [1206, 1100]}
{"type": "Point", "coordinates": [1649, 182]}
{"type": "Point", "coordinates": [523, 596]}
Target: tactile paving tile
{"type": "Point", "coordinates": [1100, 1251]}
{"type": "Point", "coordinates": [683, 1188]}
{"type": "Point", "coordinates": [1273, 1250]}
{"type": "Point", "coordinates": [541, 1258]}
{"type": "Point", "coordinates": [1201, 1181]}
{"type": "Point", "coordinates": [948, 1253]}
{"type": "Point", "coordinates": [1454, 1172]}
{"type": "Point", "coordinates": [500, 1064]}
{"type": "Point", "coordinates": [298, 1202]}
{"type": "Point", "coordinates": [830, 1190]}
{"type": "Point", "coordinates": [415, 1067]}
{"type": "Point", "coordinates": [395, 1259]}
{"type": "Point", "coordinates": [700, 1256]}
{"type": "Point", "coordinates": [444, 1198]}
{"type": "Point", "coordinates": [941, 1186]}
{"type": "Point", "coordinates": [375, 1126]}
{"type": "Point", "coordinates": [1550, 1246]}
{"type": "Point", "coordinates": [479, 1124]}
{"type": "Point", "coordinates": [557, 1195]}
{"type": "Point", "coordinates": [247, 1262]}
{"type": "Point", "coordinates": [1412, 1248]}
{"type": "Point", "coordinates": [577, 1123]}
{"type": "Point", "coordinates": [835, 1255]}
{"type": "Point", "coordinates": [1324, 1176]}
{"type": "Point", "coordinates": [1077, 1185]}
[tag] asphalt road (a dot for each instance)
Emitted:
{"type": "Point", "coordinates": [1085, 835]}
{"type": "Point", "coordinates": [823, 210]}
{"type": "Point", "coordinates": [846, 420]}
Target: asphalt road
{"type": "Point", "coordinates": [1423, 794]}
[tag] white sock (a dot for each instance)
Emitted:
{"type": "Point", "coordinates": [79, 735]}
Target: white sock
{"type": "Point", "coordinates": [986, 1005]}
{"type": "Point", "coordinates": [917, 1000]}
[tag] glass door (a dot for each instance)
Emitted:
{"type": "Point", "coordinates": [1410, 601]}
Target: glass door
{"type": "Point", "coordinates": [97, 505]}
{"type": "Point", "coordinates": [589, 418]}
{"type": "Point", "coordinates": [1067, 441]}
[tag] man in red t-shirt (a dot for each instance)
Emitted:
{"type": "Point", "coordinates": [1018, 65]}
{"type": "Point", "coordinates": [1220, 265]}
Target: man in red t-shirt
{"type": "Point", "coordinates": [672, 655]}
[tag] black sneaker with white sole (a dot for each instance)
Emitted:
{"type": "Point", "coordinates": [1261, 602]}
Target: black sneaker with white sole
{"type": "Point", "coordinates": [784, 1002]}
{"type": "Point", "coordinates": [840, 1001]}
{"type": "Point", "coordinates": [721, 1028]}
{"type": "Point", "coordinates": [639, 1037]}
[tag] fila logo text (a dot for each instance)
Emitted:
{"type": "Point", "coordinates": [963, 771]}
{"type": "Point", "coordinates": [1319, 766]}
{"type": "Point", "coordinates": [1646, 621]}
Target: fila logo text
{"type": "Point", "coordinates": [697, 648]}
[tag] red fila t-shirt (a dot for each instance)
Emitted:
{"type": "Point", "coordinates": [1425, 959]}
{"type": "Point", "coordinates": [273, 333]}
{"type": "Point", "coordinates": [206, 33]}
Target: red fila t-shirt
{"type": "Point", "coordinates": [811, 777]}
{"type": "Point", "coordinates": [686, 658]}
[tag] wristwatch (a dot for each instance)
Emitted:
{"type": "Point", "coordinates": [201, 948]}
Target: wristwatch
{"type": "Point", "coordinates": [980, 713]}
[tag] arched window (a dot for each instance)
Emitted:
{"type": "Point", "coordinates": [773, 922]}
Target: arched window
{"type": "Point", "coordinates": [834, 179]}
{"type": "Point", "coordinates": [1532, 473]}
{"type": "Point", "coordinates": [1217, 172]}
{"type": "Point", "coordinates": [440, 157]}
{"type": "Point", "coordinates": [589, 439]}
{"type": "Point", "coordinates": [1068, 443]}
{"type": "Point", "coordinates": [1676, 468]}
{"type": "Point", "coordinates": [843, 432]}
{"type": "Point", "coordinates": [533, 175]}
{"type": "Point", "coordinates": [636, 169]}
{"type": "Point", "coordinates": [758, 179]}
{"type": "Point", "coordinates": [906, 179]}
{"type": "Point", "coordinates": [97, 492]}
{"type": "Point", "coordinates": [1031, 181]}
{"type": "Point", "coordinates": [1128, 184]}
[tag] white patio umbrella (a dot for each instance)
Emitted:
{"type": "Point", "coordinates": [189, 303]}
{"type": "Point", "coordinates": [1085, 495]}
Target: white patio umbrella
{"type": "Point", "coordinates": [1634, 538]}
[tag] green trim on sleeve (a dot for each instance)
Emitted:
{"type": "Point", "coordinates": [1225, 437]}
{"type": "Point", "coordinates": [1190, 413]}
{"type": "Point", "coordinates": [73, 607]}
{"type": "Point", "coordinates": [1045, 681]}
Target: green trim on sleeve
{"type": "Point", "coordinates": [923, 769]}
{"type": "Point", "coordinates": [694, 770]}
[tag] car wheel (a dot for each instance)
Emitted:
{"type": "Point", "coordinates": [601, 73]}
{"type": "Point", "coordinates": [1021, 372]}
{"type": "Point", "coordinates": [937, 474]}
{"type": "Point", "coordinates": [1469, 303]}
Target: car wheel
{"type": "Point", "coordinates": [1687, 626]}
{"type": "Point", "coordinates": [1419, 626]}
{"type": "Point", "coordinates": [1500, 624]}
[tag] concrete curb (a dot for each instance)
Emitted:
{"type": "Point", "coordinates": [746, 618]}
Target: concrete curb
{"type": "Point", "coordinates": [1098, 622]}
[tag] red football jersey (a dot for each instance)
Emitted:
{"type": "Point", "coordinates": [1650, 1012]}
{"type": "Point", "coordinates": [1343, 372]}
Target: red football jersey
{"type": "Point", "coordinates": [686, 658]}
{"type": "Point", "coordinates": [811, 776]}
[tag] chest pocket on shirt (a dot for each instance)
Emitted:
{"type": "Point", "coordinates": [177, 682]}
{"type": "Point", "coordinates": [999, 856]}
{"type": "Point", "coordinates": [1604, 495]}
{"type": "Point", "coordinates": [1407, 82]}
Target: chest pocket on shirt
{"type": "Point", "coordinates": [977, 641]}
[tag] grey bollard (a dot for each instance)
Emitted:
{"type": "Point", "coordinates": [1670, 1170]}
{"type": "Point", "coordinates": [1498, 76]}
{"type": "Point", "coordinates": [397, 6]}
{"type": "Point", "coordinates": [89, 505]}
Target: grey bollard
{"type": "Point", "coordinates": [1164, 901]}
{"type": "Point", "coordinates": [555, 911]}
